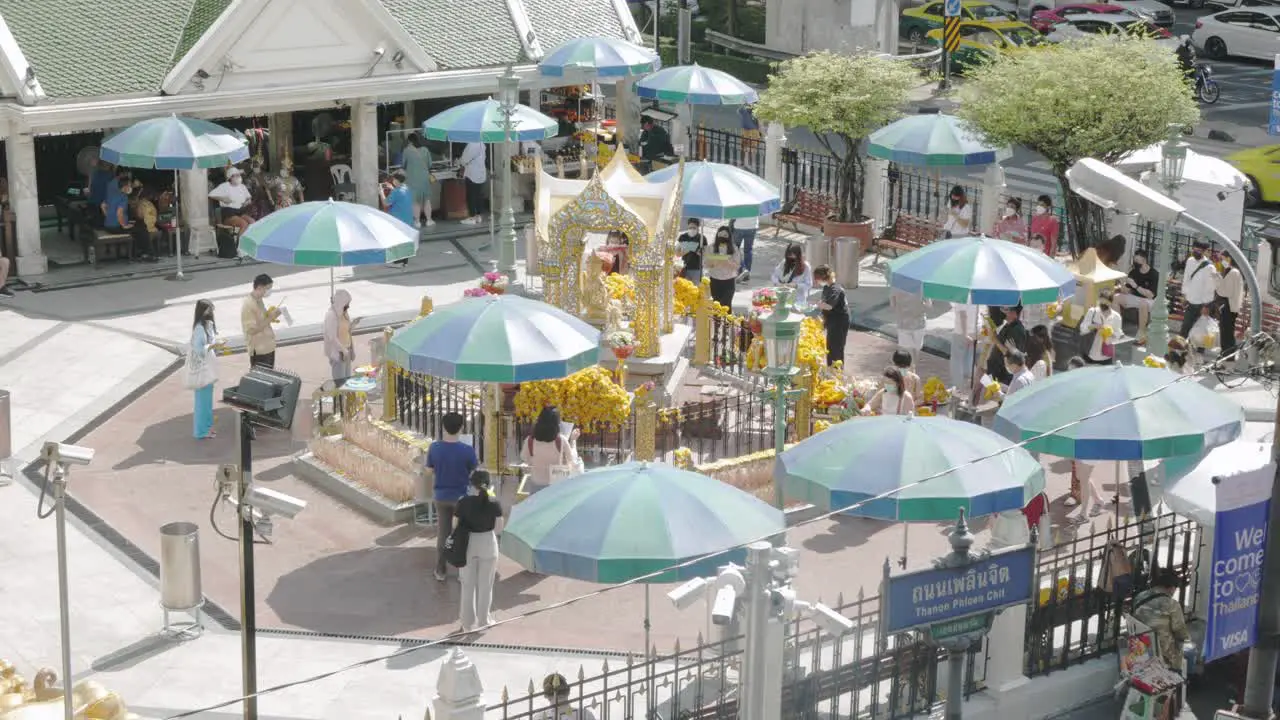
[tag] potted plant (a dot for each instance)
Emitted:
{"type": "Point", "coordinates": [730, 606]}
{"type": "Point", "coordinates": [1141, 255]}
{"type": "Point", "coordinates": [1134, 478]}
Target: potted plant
{"type": "Point", "coordinates": [842, 99]}
{"type": "Point", "coordinates": [494, 283]}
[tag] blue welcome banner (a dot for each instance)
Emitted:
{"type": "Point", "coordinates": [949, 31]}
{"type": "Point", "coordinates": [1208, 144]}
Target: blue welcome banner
{"type": "Point", "coordinates": [1239, 546]}
{"type": "Point", "coordinates": [925, 597]}
{"type": "Point", "coordinates": [1273, 127]}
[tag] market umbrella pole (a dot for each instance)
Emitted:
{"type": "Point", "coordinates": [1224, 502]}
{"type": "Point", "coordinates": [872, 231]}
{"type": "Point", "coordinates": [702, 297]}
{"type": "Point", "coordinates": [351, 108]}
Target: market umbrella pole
{"type": "Point", "coordinates": [177, 229]}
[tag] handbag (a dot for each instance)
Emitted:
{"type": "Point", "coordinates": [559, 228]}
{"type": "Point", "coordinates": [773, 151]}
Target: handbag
{"type": "Point", "coordinates": [455, 546]}
{"type": "Point", "coordinates": [199, 371]}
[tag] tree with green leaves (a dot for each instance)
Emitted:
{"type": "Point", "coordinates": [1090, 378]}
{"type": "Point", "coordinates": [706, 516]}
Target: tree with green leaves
{"type": "Point", "coordinates": [1100, 97]}
{"type": "Point", "coordinates": [842, 99]}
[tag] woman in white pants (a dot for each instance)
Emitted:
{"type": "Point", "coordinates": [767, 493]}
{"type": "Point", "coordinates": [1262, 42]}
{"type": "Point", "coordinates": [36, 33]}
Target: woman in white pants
{"type": "Point", "coordinates": [479, 513]}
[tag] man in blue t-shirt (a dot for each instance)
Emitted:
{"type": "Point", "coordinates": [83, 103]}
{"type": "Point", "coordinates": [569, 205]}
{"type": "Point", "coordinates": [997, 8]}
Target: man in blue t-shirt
{"type": "Point", "coordinates": [400, 204]}
{"type": "Point", "coordinates": [116, 217]}
{"type": "Point", "coordinates": [451, 461]}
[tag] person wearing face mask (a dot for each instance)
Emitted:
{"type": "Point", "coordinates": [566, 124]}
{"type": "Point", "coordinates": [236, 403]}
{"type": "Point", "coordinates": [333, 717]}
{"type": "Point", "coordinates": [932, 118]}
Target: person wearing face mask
{"type": "Point", "coordinates": [234, 201]}
{"type": "Point", "coordinates": [256, 321]}
{"type": "Point", "coordinates": [1138, 291]}
{"type": "Point", "coordinates": [692, 245]}
{"type": "Point", "coordinates": [1199, 284]}
{"type": "Point", "coordinates": [338, 345]}
{"type": "Point", "coordinates": [1045, 224]}
{"type": "Point", "coordinates": [959, 216]}
{"type": "Point", "coordinates": [1104, 324]}
{"type": "Point", "coordinates": [892, 398]}
{"type": "Point", "coordinates": [794, 272]}
{"type": "Point", "coordinates": [1230, 299]}
{"type": "Point", "coordinates": [1011, 226]}
{"type": "Point", "coordinates": [478, 513]}
{"type": "Point", "coordinates": [722, 265]}
{"type": "Point", "coordinates": [202, 369]}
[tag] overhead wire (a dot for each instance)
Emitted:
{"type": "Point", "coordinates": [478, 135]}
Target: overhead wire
{"type": "Point", "coordinates": [1205, 370]}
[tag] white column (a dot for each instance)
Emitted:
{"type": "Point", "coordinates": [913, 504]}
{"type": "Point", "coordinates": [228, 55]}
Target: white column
{"type": "Point", "coordinates": [21, 152]}
{"type": "Point", "coordinates": [887, 26]}
{"type": "Point", "coordinates": [459, 694]}
{"type": "Point", "coordinates": [873, 199]}
{"type": "Point", "coordinates": [627, 112]}
{"type": "Point", "coordinates": [364, 150]}
{"type": "Point", "coordinates": [775, 140]}
{"type": "Point", "coordinates": [193, 197]}
{"type": "Point", "coordinates": [1005, 645]}
{"type": "Point", "coordinates": [993, 192]}
{"type": "Point", "coordinates": [1204, 570]}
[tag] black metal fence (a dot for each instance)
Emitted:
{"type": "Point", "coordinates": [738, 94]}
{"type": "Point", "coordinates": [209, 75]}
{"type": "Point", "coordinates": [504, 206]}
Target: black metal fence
{"type": "Point", "coordinates": [731, 147]}
{"type": "Point", "coordinates": [1147, 236]}
{"type": "Point", "coordinates": [1077, 616]}
{"type": "Point", "coordinates": [423, 400]}
{"type": "Point", "coordinates": [805, 170]}
{"type": "Point", "coordinates": [719, 427]}
{"type": "Point", "coordinates": [730, 339]}
{"type": "Point", "coordinates": [597, 447]}
{"type": "Point", "coordinates": [923, 196]}
{"type": "Point", "coordinates": [856, 675]}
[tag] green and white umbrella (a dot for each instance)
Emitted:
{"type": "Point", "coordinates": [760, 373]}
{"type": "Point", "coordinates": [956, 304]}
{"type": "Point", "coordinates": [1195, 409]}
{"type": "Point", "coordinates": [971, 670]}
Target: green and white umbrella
{"type": "Point", "coordinates": [496, 338]}
{"type": "Point", "coordinates": [696, 85]}
{"type": "Point", "coordinates": [980, 270]}
{"type": "Point", "coordinates": [485, 121]}
{"type": "Point", "coordinates": [933, 140]}
{"type": "Point", "coordinates": [862, 459]}
{"type": "Point", "coordinates": [1132, 412]}
{"type": "Point", "coordinates": [600, 57]}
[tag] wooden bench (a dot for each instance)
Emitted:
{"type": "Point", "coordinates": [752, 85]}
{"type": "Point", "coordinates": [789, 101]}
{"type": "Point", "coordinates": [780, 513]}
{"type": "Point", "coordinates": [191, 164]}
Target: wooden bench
{"type": "Point", "coordinates": [910, 232]}
{"type": "Point", "coordinates": [104, 244]}
{"type": "Point", "coordinates": [809, 208]}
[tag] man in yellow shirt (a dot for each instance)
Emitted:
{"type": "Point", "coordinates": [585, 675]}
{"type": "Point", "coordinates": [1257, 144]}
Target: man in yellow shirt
{"type": "Point", "coordinates": [256, 320]}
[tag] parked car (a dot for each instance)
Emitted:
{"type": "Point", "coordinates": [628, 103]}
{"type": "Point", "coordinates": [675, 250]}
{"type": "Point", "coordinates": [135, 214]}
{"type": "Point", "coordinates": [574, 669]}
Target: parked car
{"type": "Point", "coordinates": [1261, 166]}
{"type": "Point", "coordinates": [916, 23]}
{"type": "Point", "coordinates": [1252, 33]}
{"type": "Point", "coordinates": [1158, 13]}
{"type": "Point", "coordinates": [981, 40]}
{"type": "Point", "coordinates": [1220, 5]}
{"type": "Point", "coordinates": [1046, 19]}
{"type": "Point", "coordinates": [1109, 23]}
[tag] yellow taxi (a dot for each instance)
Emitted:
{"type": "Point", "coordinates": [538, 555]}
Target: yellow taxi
{"type": "Point", "coordinates": [916, 22]}
{"type": "Point", "coordinates": [1261, 165]}
{"type": "Point", "coordinates": [979, 41]}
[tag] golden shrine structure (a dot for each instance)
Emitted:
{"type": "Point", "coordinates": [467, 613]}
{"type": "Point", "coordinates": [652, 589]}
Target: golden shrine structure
{"type": "Point", "coordinates": [43, 700]}
{"type": "Point", "coordinates": [617, 198]}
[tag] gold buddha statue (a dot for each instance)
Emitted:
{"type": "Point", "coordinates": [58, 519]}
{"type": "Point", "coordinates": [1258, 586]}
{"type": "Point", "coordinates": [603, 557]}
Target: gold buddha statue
{"type": "Point", "coordinates": [593, 290]}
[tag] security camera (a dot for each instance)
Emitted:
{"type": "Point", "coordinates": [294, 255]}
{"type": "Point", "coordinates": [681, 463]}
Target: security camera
{"type": "Point", "coordinates": [688, 593]}
{"type": "Point", "coordinates": [379, 51]}
{"type": "Point", "coordinates": [831, 622]}
{"type": "Point", "coordinates": [59, 454]}
{"type": "Point", "coordinates": [726, 600]}
{"type": "Point", "coordinates": [274, 502]}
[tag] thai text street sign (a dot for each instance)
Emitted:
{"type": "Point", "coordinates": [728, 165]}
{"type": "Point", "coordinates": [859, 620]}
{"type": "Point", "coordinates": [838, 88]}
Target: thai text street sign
{"type": "Point", "coordinates": [951, 34]}
{"type": "Point", "coordinates": [930, 597]}
{"type": "Point", "coordinates": [951, 9]}
{"type": "Point", "coordinates": [1239, 545]}
{"type": "Point", "coordinates": [976, 625]}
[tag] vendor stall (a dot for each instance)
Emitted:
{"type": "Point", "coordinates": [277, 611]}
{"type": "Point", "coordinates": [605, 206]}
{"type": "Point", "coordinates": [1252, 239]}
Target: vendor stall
{"type": "Point", "coordinates": [1151, 690]}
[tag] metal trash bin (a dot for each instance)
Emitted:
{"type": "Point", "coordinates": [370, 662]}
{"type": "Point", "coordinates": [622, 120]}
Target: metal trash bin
{"type": "Point", "coordinates": [848, 253]}
{"type": "Point", "coordinates": [180, 589]}
{"type": "Point", "coordinates": [6, 440]}
{"type": "Point", "coordinates": [817, 250]}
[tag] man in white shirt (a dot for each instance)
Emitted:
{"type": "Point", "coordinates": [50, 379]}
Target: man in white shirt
{"type": "Point", "coordinates": [963, 336]}
{"type": "Point", "coordinates": [744, 236]}
{"type": "Point", "coordinates": [1199, 283]}
{"type": "Point", "coordinates": [475, 174]}
{"type": "Point", "coordinates": [1016, 363]}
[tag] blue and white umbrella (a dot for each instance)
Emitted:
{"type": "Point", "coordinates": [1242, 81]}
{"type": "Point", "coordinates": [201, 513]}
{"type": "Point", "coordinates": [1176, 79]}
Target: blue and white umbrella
{"type": "Point", "coordinates": [715, 190]}
{"type": "Point", "coordinates": [484, 121]}
{"type": "Point", "coordinates": [980, 270]}
{"type": "Point", "coordinates": [933, 140]}
{"type": "Point", "coordinates": [599, 57]}
{"type": "Point", "coordinates": [696, 85]}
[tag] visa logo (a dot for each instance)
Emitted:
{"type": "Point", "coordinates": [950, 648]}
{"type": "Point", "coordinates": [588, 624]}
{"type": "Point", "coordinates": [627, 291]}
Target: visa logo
{"type": "Point", "coordinates": [1235, 640]}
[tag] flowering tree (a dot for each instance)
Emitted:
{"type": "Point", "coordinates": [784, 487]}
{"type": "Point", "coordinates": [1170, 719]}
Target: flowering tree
{"type": "Point", "coordinates": [842, 99]}
{"type": "Point", "coordinates": [1099, 97]}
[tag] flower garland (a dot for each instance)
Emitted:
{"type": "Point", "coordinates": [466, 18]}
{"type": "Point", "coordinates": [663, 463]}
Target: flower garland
{"type": "Point", "coordinates": [620, 339]}
{"type": "Point", "coordinates": [764, 299]}
{"type": "Point", "coordinates": [621, 288]}
{"type": "Point", "coordinates": [687, 297]}
{"type": "Point", "coordinates": [494, 283]}
{"type": "Point", "coordinates": [683, 458]}
{"type": "Point", "coordinates": [1152, 361]}
{"type": "Point", "coordinates": [475, 292]}
{"type": "Point", "coordinates": [589, 398]}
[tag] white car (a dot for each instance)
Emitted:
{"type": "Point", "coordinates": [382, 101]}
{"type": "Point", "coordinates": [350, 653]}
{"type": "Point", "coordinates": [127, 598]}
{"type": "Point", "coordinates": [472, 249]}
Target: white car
{"type": "Point", "coordinates": [1158, 13]}
{"type": "Point", "coordinates": [1251, 33]}
{"type": "Point", "coordinates": [1078, 26]}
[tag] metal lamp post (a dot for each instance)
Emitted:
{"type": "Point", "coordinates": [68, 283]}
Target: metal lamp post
{"type": "Point", "coordinates": [1173, 158]}
{"type": "Point", "coordinates": [509, 95]}
{"type": "Point", "coordinates": [781, 330]}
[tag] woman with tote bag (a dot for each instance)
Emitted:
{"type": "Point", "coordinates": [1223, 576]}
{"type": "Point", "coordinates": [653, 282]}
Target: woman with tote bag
{"type": "Point", "coordinates": [202, 369]}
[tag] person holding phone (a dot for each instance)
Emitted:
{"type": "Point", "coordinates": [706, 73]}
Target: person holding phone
{"type": "Point", "coordinates": [339, 348]}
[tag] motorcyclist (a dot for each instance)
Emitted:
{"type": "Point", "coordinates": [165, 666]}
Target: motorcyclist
{"type": "Point", "coordinates": [1186, 54]}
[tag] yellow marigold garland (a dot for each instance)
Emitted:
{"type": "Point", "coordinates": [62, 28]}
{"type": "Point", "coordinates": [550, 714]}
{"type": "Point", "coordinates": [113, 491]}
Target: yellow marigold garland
{"type": "Point", "coordinates": [687, 295]}
{"type": "Point", "coordinates": [622, 288]}
{"type": "Point", "coordinates": [590, 399]}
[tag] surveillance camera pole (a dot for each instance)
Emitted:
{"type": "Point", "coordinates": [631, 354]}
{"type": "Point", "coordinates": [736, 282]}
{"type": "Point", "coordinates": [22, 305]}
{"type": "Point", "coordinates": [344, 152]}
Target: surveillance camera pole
{"type": "Point", "coordinates": [58, 473]}
{"type": "Point", "coordinates": [248, 611]}
{"type": "Point", "coordinates": [761, 685]}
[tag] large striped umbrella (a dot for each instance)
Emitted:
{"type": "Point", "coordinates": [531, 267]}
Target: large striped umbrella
{"type": "Point", "coordinates": [621, 522]}
{"type": "Point", "coordinates": [933, 140]}
{"type": "Point", "coordinates": [329, 233]}
{"type": "Point", "coordinates": [980, 270]}
{"type": "Point", "coordinates": [863, 458]}
{"type": "Point", "coordinates": [498, 338]}
{"type": "Point", "coordinates": [175, 143]}
{"type": "Point", "coordinates": [601, 57]}
{"type": "Point", "coordinates": [715, 190]}
{"type": "Point", "coordinates": [696, 85]}
{"type": "Point", "coordinates": [1147, 415]}
{"type": "Point", "coordinates": [485, 121]}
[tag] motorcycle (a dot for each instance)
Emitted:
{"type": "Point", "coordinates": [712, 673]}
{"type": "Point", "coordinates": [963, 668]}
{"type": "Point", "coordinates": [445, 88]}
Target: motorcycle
{"type": "Point", "coordinates": [1206, 87]}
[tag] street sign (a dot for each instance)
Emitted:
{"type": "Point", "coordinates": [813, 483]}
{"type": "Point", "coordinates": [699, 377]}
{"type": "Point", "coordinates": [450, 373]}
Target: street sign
{"type": "Point", "coordinates": [951, 9]}
{"type": "Point", "coordinates": [1273, 127]}
{"type": "Point", "coordinates": [951, 34]}
{"type": "Point", "coordinates": [976, 625]}
{"type": "Point", "coordinates": [937, 595]}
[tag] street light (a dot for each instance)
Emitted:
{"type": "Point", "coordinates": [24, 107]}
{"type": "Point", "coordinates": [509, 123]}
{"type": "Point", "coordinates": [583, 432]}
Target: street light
{"type": "Point", "coordinates": [781, 330]}
{"type": "Point", "coordinates": [1173, 159]}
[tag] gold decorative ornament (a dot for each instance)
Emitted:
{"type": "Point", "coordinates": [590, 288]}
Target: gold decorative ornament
{"type": "Point", "coordinates": [646, 441]}
{"type": "Point", "coordinates": [595, 293]}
